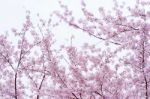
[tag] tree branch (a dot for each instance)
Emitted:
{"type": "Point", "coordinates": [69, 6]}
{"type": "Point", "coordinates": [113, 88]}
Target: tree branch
{"type": "Point", "coordinates": [8, 61]}
{"type": "Point", "coordinates": [143, 65]}
{"type": "Point", "coordinates": [100, 38]}
{"type": "Point", "coordinates": [143, 61]}
{"type": "Point", "coordinates": [78, 27]}
{"type": "Point", "coordinates": [38, 97]}
{"type": "Point", "coordinates": [16, 86]}
{"type": "Point", "coordinates": [75, 96]}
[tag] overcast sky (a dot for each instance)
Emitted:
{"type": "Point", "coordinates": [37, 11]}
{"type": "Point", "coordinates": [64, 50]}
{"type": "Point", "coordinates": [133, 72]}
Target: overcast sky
{"type": "Point", "coordinates": [12, 13]}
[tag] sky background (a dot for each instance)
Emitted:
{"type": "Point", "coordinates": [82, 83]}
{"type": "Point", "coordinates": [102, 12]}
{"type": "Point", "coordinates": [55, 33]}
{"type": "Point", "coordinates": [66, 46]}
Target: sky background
{"type": "Point", "coordinates": [13, 15]}
{"type": "Point", "coordinates": [12, 12]}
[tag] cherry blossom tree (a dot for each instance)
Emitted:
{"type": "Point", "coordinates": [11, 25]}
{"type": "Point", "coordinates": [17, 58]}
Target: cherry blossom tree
{"type": "Point", "coordinates": [128, 28]}
{"type": "Point", "coordinates": [33, 68]}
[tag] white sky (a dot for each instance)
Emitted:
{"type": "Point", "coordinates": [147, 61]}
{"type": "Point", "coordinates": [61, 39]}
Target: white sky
{"type": "Point", "coordinates": [12, 12]}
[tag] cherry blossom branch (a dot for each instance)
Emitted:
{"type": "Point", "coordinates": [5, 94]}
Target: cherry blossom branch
{"type": "Point", "coordinates": [75, 96]}
{"type": "Point", "coordinates": [41, 85]}
{"type": "Point", "coordinates": [131, 27]}
{"type": "Point", "coordinates": [143, 66]}
{"type": "Point", "coordinates": [100, 38]}
{"type": "Point", "coordinates": [30, 49]}
{"type": "Point", "coordinates": [42, 78]}
{"type": "Point", "coordinates": [19, 62]}
{"type": "Point", "coordinates": [6, 57]}
{"type": "Point", "coordinates": [8, 61]}
{"type": "Point", "coordinates": [80, 96]}
{"type": "Point", "coordinates": [99, 94]}
{"type": "Point", "coordinates": [143, 60]}
{"type": "Point", "coordinates": [16, 95]}
{"type": "Point", "coordinates": [78, 27]}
